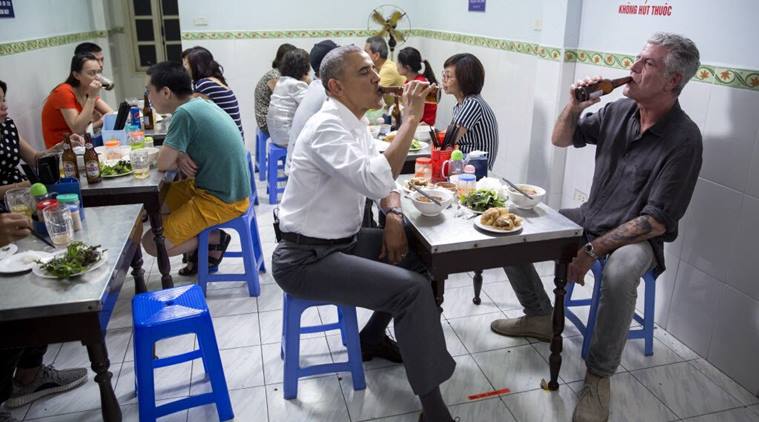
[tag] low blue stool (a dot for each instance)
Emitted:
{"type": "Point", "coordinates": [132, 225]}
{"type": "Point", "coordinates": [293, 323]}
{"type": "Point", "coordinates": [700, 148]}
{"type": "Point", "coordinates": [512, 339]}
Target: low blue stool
{"type": "Point", "coordinates": [646, 321]}
{"type": "Point", "coordinates": [170, 313]}
{"type": "Point", "coordinates": [276, 161]}
{"type": "Point", "coordinates": [347, 323]}
{"type": "Point", "coordinates": [261, 138]}
{"type": "Point", "coordinates": [250, 244]}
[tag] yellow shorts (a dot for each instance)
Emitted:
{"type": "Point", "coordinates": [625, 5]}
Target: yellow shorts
{"type": "Point", "coordinates": [192, 210]}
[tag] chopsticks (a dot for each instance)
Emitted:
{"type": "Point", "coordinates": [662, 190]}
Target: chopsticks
{"type": "Point", "coordinates": [451, 134]}
{"type": "Point", "coordinates": [425, 195]}
{"type": "Point", "coordinates": [516, 188]}
{"type": "Point", "coordinates": [42, 238]}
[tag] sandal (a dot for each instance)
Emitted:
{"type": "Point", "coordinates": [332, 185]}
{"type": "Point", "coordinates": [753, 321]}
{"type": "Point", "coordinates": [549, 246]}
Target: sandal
{"type": "Point", "coordinates": [224, 240]}
{"type": "Point", "coordinates": [191, 259]}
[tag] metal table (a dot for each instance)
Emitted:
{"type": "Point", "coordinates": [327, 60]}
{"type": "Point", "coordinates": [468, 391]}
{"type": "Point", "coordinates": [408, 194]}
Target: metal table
{"type": "Point", "coordinates": [128, 190]}
{"type": "Point", "coordinates": [36, 311]}
{"type": "Point", "coordinates": [448, 244]}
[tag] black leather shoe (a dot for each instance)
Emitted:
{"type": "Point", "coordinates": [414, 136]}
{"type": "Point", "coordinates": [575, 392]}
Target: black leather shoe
{"type": "Point", "coordinates": [386, 349]}
{"type": "Point", "coordinates": [421, 418]}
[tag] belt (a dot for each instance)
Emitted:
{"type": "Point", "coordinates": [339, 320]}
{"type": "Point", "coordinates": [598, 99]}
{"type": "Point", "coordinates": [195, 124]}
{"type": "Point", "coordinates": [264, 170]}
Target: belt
{"type": "Point", "coordinates": [306, 240]}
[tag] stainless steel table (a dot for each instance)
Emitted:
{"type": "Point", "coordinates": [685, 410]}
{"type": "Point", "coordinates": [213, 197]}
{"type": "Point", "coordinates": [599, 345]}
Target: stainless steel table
{"type": "Point", "coordinates": [448, 244]}
{"type": "Point", "coordinates": [36, 311]}
{"type": "Point", "coordinates": [128, 190]}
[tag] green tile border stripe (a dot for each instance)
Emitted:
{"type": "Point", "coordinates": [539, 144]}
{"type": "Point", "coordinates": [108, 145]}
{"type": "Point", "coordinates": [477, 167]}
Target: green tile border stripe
{"type": "Point", "coordinates": [259, 35]}
{"type": "Point", "coordinates": [17, 47]}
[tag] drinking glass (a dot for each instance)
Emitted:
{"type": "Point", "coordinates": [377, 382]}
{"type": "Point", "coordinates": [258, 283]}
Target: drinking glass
{"type": "Point", "coordinates": [59, 225]}
{"type": "Point", "coordinates": [19, 200]}
{"type": "Point", "coordinates": [140, 163]}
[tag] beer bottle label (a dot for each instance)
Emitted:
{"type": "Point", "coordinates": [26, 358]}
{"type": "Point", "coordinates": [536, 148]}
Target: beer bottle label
{"type": "Point", "coordinates": [69, 169]}
{"type": "Point", "coordinates": [93, 169]}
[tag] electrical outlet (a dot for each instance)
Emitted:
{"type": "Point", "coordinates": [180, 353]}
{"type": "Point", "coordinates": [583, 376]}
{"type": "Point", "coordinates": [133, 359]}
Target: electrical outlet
{"type": "Point", "coordinates": [537, 25]}
{"type": "Point", "coordinates": [580, 196]}
{"type": "Point", "coordinates": [200, 21]}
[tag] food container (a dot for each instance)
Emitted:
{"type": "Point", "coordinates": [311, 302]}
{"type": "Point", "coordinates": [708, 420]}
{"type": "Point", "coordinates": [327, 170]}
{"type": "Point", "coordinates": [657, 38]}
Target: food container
{"type": "Point", "coordinates": [466, 184]}
{"type": "Point", "coordinates": [71, 202]}
{"type": "Point", "coordinates": [524, 202]}
{"type": "Point", "coordinates": [423, 168]}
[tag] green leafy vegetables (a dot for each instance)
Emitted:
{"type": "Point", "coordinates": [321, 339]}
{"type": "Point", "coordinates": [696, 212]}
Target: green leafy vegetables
{"type": "Point", "coordinates": [122, 167]}
{"type": "Point", "coordinates": [77, 259]}
{"type": "Point", "coordinates": [482, 200]}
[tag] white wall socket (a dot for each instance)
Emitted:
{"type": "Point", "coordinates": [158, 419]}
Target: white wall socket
{"type": "Point", "coordinates": [580, 196]}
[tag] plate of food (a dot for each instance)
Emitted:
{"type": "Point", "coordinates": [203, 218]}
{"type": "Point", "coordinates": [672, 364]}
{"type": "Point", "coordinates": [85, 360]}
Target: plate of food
{"type": "Point", "coordinates": [78, 258]}
{"type": "Point", "coordinates": [416, 145]}
{"type": "Point", "coordinates": [117, 169]}
{"type": "Point", "coordinates": [22, 262]}
{"type": "Point", "coordinates": [499, 220]}
{"type": "Point", "coordinates": [481, 200]}
{"type": "Point", "coordinates": [419, 182]}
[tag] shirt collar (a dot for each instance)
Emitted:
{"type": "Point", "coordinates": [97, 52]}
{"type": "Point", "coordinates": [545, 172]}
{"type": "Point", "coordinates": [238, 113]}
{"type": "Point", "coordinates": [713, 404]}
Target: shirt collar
{"type": "Point", "coordinates": [660, 127]}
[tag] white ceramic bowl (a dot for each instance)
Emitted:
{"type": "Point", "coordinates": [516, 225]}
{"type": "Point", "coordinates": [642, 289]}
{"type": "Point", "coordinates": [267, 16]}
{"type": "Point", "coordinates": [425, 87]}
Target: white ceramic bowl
{"type": "Point", "coordinates": [122, 150]}
{"type": "Point", "coordinates": [429, 208]}
{"type": "Point", "coordinates": [152, 154]}
{"type": "Point", "coordinates": [422, 133]}
{"type": "Point", "coordinates": [524, 202]}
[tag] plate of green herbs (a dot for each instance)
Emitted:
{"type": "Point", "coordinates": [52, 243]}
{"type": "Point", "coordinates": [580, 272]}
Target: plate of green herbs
{"type": "Point", "coordinates": [77, 259]}
{"type": "Point", "coordinates": [120, 168]}
{"type": "Point", "coordinates": [481, 200]}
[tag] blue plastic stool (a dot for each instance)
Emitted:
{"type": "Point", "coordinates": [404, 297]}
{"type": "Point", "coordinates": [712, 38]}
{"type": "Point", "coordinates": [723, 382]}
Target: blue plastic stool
{"type": "Point", "coordinates": [347, 323]}
{"type": "Point", "coordinates": [261, 138]}
{"type": "Point", "coordinates": [276, 159]}
{"type": "Point", "coordinates": [170, 313]}
{"type": "Point", "coordinates": [647, 320]}
{"type": "Point", "coordinates": [250, 243]}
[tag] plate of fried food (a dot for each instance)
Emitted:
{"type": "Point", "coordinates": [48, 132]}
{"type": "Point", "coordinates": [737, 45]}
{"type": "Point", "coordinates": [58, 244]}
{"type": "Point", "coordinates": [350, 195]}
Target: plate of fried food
{"type": "Point", "coordinates": [499, 220]}
{"type": "Point", "coordinates": [419, 182]}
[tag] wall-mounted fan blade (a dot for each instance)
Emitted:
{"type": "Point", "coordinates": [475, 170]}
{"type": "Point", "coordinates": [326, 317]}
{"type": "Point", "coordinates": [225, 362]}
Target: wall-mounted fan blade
{"type": "Point", "coordinates": [377, 17]}
{"type": "Point", "coordinates": [398, 35]}
{"type": "Point", "coordinates": [395, 17]}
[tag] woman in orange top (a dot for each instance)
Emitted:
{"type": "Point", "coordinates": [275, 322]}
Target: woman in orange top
{"type": "Point", "coordinates": [73, 105]}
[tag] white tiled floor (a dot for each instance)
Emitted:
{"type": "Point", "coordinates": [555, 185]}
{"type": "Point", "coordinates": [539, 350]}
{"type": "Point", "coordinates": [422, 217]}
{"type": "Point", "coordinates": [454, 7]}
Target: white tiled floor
{"type": "Point", "coordinates": [673, 384]}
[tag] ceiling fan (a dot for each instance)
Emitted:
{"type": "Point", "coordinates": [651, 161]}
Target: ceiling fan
{"type": "Point", "coordinates": [393, 23]}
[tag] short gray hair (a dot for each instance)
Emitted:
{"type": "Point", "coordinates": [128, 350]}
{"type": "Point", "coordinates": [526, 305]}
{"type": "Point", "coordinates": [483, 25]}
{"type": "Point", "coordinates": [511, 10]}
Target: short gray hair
{"type": "Point", "coordinates": [333, 64]}
{"type": "Point", "coordinates": [378, 45]}
{"type": "Point", "coordinates": [682, 56]}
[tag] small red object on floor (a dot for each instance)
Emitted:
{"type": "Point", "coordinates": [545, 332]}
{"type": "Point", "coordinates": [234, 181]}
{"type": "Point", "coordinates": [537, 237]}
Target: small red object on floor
{"type": "Point", "coordinates": [489, 394]}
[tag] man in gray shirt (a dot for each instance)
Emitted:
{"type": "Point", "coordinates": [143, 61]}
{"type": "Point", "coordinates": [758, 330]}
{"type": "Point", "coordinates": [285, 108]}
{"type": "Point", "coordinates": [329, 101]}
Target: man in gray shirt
{"type": "Point", "coordinates": [648, 156]}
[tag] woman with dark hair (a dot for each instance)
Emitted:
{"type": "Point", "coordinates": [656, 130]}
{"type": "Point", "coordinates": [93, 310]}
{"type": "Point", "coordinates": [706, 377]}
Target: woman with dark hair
{"type": "Point", "coordinates": [266, 85]}
{"type": "Point", "coordinates": [14, 148]}
{"type": "Point", "coordinates": [74, 104]}
{"type": "Point", "coordinates": [288, 93]}
{"type": "Point", "coordinates": [209, 83]}
{"type": "Point", "coordinates": [463, 77]}
{"type": "Point", "coordinates": [410, 65]}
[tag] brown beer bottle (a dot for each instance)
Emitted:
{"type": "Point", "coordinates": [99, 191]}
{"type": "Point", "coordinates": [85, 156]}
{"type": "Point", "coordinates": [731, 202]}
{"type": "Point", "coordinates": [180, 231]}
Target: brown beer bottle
{"type": "Point", "coordinates": [91, 161]}
{"type": "Point", "coordinates": [602, 87]}
{"type": "Point", "coordinates": [147, 114]}
{"type": "Point", "coordinates": [396, 114]}
{"type": "Point", "coordinates": [397, 91]}
{"type": "Point", "coordinates": [70, 168]}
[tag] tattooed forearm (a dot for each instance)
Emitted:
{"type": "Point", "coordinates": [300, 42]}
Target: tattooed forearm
{"type": "Point", "coordinates": [634, 231]}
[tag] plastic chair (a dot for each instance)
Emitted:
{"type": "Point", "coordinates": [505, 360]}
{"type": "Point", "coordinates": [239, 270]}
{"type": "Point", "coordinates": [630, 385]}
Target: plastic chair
{"type": "Point", "coordinates": [646, 321]}
{"type": "Point", "coordinates": [261, 138]}
{"type": "Point", "coordinates": [170, 313]}
{"type": "Point", "coordinates": [250, 243]}
{"type": "Point", "coordinates": [291, 330]}
{"type": "Point", "coordinates": [276, 161]}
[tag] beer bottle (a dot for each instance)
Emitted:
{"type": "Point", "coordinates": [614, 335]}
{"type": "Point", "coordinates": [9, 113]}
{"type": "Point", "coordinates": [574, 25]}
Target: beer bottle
{"type": "Point", "coordinates": [147, 114]}
{"type": "Point", "coordinates": [396, 114]}
{"type": "Point", "coordinates": [70, 168]}
{"type": "Point", "coordinates": [91, 161]}
{"type": "Point", "coordinates": [597, 89]}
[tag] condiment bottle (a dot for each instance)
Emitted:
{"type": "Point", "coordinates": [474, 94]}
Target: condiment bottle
{"type": "Point", "coordinates": [71, 202]}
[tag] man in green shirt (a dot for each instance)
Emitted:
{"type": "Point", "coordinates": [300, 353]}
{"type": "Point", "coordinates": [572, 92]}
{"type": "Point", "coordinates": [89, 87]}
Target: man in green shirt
{"type": "Point", "coordinates": [203, 143]}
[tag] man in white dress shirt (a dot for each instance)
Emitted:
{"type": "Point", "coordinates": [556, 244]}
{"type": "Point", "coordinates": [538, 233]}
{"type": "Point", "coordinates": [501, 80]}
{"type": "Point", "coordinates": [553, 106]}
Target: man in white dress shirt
{"type": "Point", "coordinates": [326, 255]}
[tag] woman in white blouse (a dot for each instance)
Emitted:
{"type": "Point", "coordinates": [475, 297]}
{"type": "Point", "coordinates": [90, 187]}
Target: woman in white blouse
{"type": "Point", "coordinates": [288, 93]}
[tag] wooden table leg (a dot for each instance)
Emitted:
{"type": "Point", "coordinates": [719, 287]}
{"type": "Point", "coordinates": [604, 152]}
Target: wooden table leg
{"type": "Point", "coordinates": [109, 405]}
{"type": "Point", "coordinates": [137, 272]}
{"type": "Point", "coordinates": [438, 289]}
{"type": "Point", "coordinates": [156, 224]}
{"type": "Point", "coordinates": [554, 360]}
{"type": "Point", "coordinates": [477, 279]}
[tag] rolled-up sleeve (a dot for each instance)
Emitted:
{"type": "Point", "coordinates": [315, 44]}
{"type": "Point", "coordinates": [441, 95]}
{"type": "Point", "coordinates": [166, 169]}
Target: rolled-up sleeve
{"type": "Point", "coordinates": [589, 128]}
{"type": "Point", "coordinates": [339, 153]}
{"type": "Point", "coordinates": [674, 187]}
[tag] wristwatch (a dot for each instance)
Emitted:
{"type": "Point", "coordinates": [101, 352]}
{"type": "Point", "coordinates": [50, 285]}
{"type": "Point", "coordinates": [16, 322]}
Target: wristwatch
{"type": "Point", "coordinates": [393, 210]}
{"type": "Point", "coordinates": [588, 248]}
